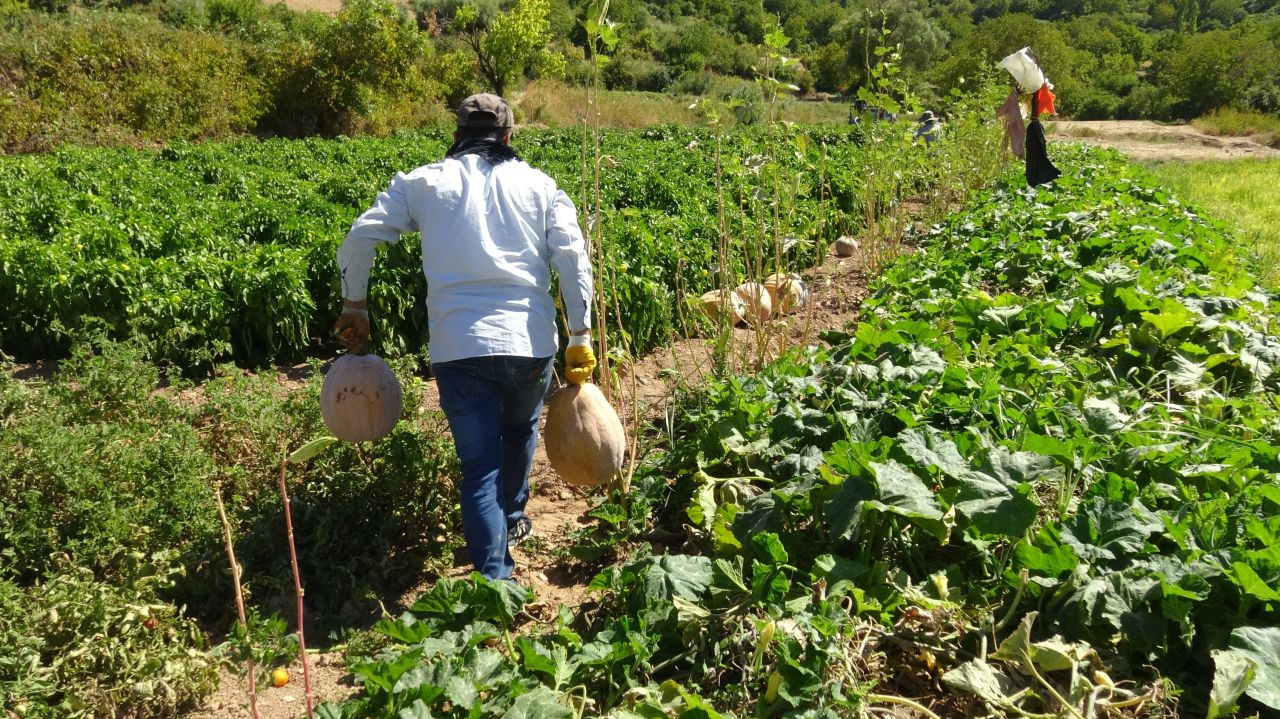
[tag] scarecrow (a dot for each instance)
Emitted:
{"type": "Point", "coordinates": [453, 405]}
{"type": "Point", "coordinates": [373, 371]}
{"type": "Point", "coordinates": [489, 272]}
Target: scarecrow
{"type": "Point", "coordinates": [1027, 141]}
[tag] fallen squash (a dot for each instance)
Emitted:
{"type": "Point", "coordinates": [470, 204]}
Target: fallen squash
{"type": "Point", "coordinates": [711, 306]}
{"type": "Point", "coordinates": [787, 292]}
{"type": "Point", "coordinates": [583, 436]}
{"type": "Point", "coordinates": [756, 297]}
{"type": "Point", "coordinates": [360, 400]}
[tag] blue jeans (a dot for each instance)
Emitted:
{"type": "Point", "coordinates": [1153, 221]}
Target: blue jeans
{"type": "Point", "coordinates": [493, 404]}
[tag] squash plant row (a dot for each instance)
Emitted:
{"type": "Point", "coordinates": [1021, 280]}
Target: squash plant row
{"type": "Point", "coordinates": [225, 250]}
{"type": "Point", "coordinates": [1039, 479]}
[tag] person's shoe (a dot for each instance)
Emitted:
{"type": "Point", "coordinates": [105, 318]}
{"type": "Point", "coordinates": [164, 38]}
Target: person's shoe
{"type": "Point", "coordinates": [520, 531]}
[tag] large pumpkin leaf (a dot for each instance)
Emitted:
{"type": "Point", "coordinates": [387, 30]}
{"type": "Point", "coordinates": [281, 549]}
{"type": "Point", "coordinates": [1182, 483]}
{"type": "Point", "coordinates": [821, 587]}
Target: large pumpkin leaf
{"type": "Point", "coordinates": [1260, 645]}
{"type": "Point", "coordinates": [1172, 317]}
{"type": "Point", "coordinates": [1104, 529]}
{"type": "Point", "coordinates": [541, 703]}
{"type": "Point", "coordinates": [906, 495]}
{"type": "Point", "coordinates": [1232, 674]}
{"type": "Point", "coordinates": [994, 507]}
{"type": "Point", "coordinates": [675, 575]}
{"type": "Point", "coordinates": [932, 448]}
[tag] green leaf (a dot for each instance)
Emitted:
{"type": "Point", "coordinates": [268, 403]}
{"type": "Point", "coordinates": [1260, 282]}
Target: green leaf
{"type": "Point", "coordinates": [674, 575]}
{"type": "Point", "coordinates": [726, 574]}
{"type": "Point", "coordinates": [1056, 655]}
{"type": "Point", "coordinates": [1261, 645]}
{"type": "Point", "coordinates": [1250, 583]}
{"type": "Point", "coordinates": [416, 710]}
{"type": "Point", "coordinates": [844, 509]}
{"type": "Point", "coordinates": [904, 494]}
{"type": "Point", "coordinates": [1109, 530]}
{"type": "Point", "coordinates": [932, 448]}
{"type": "Point", "coordinates": [462, 692]}
{"type": "Point", "coordinates": [702, 510]}
{"type": "Point", "coordinates": [311, 449]}
{"type": "Point", "coordinates": [1016, 647]}
{"type": "Point", "coordinates": [1104, 415]}
{"type": "Point", "coordinates": [498, 599]}
{"type": "Point", "coordinates": [769, 545]}
{"type": "Point", "coordinates": [541, 703]}
{"type": "Point", "coordinates": [994, 507]}
{"type": "Point", "coordinates": [421, 680]}
{"type": "Point", "coordinates": [1233, 672]}
{"type": "Point", "coordinates": [1172, 318]}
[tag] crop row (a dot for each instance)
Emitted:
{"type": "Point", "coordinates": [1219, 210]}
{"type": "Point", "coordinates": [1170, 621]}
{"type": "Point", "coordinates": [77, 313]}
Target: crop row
{"type": "Point", "coordinates": [219, 251]}
{"type": "Point", "coordinates": [1054, 432]}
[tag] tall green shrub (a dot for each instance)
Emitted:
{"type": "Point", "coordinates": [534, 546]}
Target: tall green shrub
{"type": "Point", "coordinates": [106, 77]}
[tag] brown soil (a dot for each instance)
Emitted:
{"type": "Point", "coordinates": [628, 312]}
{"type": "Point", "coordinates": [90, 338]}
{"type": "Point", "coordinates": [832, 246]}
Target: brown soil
{"type": "Point", "coordinates": [837, 287]}
{"type": "Point", "coordinates": [1146, 141]}
{"type": "Point", "coordinates": [329, 682]}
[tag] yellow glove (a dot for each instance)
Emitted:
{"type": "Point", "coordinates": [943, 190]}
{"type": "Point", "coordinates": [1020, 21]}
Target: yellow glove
{"type": "Point", "coordinates": [579, 360]}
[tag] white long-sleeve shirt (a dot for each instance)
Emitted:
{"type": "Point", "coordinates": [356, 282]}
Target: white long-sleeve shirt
{"type": "Point", "coordinates": [490, 235]}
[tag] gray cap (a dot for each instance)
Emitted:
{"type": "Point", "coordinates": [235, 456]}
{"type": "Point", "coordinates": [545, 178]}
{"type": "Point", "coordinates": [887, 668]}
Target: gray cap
{"type": "Point", "coordinates": [485, 110]}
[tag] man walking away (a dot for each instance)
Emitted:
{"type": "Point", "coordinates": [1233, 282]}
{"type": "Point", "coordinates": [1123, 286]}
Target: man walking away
{"type": "Point", "coordinates": [492, 229]}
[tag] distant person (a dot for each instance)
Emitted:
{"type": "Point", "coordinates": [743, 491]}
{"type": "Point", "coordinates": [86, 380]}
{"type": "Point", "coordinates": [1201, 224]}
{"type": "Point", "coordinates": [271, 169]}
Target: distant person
{"type": "Point", "coordinates": [929, 128]}
{"type": "Point", "coordinates": [856, 111]}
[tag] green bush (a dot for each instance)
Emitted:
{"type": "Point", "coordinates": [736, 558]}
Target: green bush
{"type": "Point", "coordinates": [1237, 68]}
{"type": "Point", "coordinates": [366, 71]}
{"type": "Point", "coordinates": [109, 77]}
{"type": "Point", "coordinates": [234, 243]}
{"type": "Point", "coordinates": [630, 70]}
{"type": "Point", "coordinates": [101, 460]}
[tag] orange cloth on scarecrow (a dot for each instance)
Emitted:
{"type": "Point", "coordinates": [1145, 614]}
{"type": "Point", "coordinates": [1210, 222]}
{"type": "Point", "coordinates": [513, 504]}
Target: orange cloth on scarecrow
{"type": "Point", "coordinates": [1044, 102]}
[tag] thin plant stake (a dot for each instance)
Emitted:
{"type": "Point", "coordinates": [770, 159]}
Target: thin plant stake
{"type": "Point", "coordinates": [297, 580]}
{"type": "Point", "coordinates": [235, 578]}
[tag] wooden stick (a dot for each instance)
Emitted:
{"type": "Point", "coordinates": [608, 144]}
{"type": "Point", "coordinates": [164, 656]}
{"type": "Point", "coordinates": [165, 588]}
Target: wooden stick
{"type": "Point", "coordinates": [235, 578]}
{"type": "Point", "coordinates": [297, 580]}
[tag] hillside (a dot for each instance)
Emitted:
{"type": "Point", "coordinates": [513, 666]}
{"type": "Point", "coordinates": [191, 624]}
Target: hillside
{"type": "Point", "coordinates": [149, 72]}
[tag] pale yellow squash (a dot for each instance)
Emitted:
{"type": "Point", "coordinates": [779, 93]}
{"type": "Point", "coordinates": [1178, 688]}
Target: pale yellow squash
{"type": "Point", "coordinates": [360, 400]}
{"type": "Point", "coordinates": [711, 306]}
{"type": "Point", "coordinates": [584, 438]}
{"type": "Point", "coordinates": [756, 297]}
{"type": "Point", "coordinates": [845, 247]}
{"type": "Point", "coordinates": [787, 292]}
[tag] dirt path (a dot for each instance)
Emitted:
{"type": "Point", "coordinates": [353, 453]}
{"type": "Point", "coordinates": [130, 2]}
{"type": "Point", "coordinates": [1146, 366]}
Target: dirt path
{"type": "Point", "coordinates": [1146, 141]}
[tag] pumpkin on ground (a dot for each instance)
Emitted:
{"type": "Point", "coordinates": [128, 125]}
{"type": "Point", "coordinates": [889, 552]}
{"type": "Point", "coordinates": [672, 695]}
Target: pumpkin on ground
{"type": "Point", "coordinates": [584, 438]}
{"type": "Point", "coordinates": [360, 400]}
{"type": "Point", "coordinates": [786, 292]}
{"type": "Point", "coordinates": [756, 297]}
{"type": "Point", "coordinates": [711, 306]}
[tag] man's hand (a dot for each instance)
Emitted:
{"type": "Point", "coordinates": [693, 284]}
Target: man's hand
{"type": "Point", "coordinates": [352, 328]}
{"type": "Point", "coordinates": [579, 360]}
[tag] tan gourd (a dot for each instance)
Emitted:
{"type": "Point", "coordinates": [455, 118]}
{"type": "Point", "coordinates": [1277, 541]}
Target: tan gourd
{"type": "Point", "coordinates": [360, 400]}
{"type": "Point", "coordinates": [583, 436]}
{"type": "Point", "coordinates": [711, 306]}
{"type": "Point", "coordinates": [845, 247]}
{"type": "Point", "coordinates": [786, 292]}
{"type": "Point", "coordinates": [756, 297]}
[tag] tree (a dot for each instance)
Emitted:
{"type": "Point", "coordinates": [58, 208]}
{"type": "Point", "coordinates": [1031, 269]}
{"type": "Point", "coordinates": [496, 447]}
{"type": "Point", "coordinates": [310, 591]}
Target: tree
{"type": "Point", "coordinates": [506, 46]}
{"type": "Point", "coordinates": [921, 39]}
